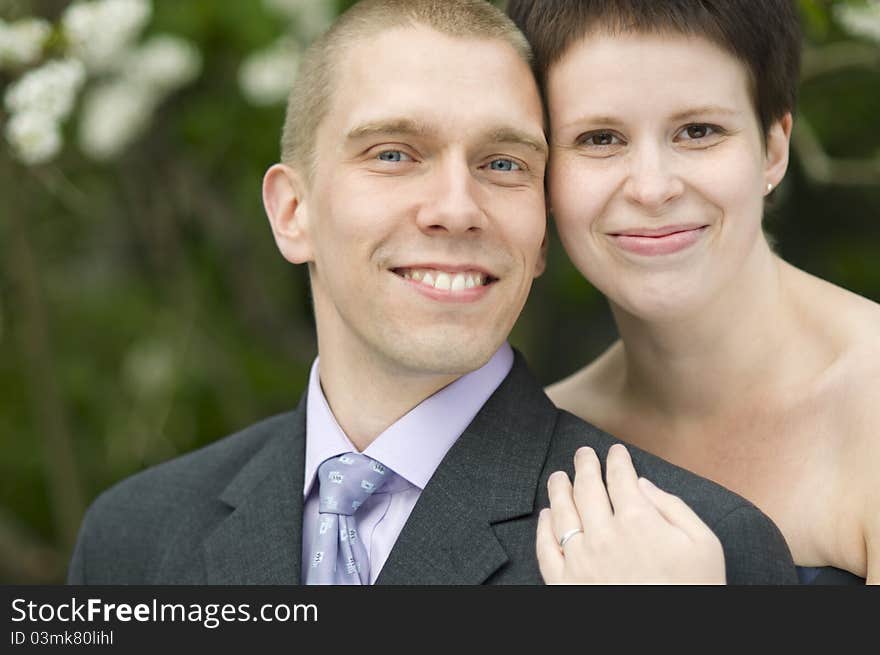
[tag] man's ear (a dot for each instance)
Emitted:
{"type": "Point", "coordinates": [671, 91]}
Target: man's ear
{"type": "Point", "coordinates": [776, 159]}
{"type": "Point", "coordinates": [284, 198]}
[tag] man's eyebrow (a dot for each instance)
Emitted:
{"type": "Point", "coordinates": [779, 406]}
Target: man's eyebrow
{"type": "Point", "coordinates": [403, 126]}
{"type": "Point", "coordinates": [409, 127]}
{"type": "Point", "coordinates": [515, 136]}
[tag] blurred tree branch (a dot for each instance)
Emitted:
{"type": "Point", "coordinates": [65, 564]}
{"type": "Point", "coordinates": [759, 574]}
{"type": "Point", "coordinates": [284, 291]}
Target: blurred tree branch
{"type": "Point", "coordinates": [46, 401]}
{"type": "Point", "coordinates": [24, 558]}
{"type": "Point", "coordinates": [292, 333]}
{"type": "Point", "coordinates": [818, 165]}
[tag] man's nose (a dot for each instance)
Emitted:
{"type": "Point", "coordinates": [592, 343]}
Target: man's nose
{"type": "Point", "coordinates": [653, 178]}
{"type": "Point", "coordinates": [452, 206]}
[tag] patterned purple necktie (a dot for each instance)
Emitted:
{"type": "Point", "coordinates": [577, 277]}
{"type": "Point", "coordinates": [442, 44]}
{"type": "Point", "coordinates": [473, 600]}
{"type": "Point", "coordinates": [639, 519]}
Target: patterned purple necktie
{"type": "Point", "coordinates": [345, 483]}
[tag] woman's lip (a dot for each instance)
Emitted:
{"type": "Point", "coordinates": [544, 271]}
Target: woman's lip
{"type": "Point", "coordinates": [661, 241]}
{"type": "Point", "coordinates": [656, 232]}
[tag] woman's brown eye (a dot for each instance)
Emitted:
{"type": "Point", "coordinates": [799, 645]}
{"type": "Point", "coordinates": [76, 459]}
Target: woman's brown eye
{"type": "Point", "coordinates": [604, 139]}
{"type": "Point", "coordinates": [697, 131]}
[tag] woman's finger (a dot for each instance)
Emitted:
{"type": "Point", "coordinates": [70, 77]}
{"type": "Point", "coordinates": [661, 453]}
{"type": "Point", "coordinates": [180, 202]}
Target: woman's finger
{"type": "Point", "coordinates": [563, 513]}
{"type": "Point", "coordinates": [674, 510]}
{"type": "Point", "coordinates": [623, 489]}
{"type": "Point", "coordinates": [590, 497]}
{"type": "Point", "coordinates": [550, 559]}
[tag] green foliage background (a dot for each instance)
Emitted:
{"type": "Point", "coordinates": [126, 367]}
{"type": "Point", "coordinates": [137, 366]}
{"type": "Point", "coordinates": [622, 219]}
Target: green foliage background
{"type": "Point", "coordinates": [145, 311]}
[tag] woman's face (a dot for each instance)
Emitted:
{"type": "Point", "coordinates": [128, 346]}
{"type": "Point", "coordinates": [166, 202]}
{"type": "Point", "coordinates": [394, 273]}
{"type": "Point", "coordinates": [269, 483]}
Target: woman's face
{"type": "Point", "coordinates": [658, 169]}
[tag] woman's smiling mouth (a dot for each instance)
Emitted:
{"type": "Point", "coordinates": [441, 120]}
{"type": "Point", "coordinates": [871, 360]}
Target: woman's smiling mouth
{"type": "Point", "coordinates": [658, 241]}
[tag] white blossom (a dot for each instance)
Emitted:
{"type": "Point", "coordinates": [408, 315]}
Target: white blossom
{"type": "Point", "coordinates": [311, 17]}
{"type": "Point", "coordinates": [21, 42]}
{"type": "Point", "coordinates": [148, 367]}
{"type": "Point", "coordinates": [266, 76]}
{"type": "Point", "coordinates": [113, 115]}
{"type": "Point", "coordinates": [49, 90]}
{"type": "Point", "coordinates": [163, 63]}
{"type": "Point", "coordinates": [98, 31]}
{"type": "Point", "coordinates": [34, 136]}
{"type": "Point", "coordinates": [859, 20]}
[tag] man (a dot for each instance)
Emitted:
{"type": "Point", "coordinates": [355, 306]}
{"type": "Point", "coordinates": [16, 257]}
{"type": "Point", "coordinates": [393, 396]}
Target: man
{"type": "Point", "coordinates": [412, 186]}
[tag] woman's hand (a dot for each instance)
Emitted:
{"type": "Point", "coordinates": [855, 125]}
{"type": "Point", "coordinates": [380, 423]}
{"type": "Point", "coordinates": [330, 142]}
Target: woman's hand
{"type": "Point", "coordinates": [633, 533]}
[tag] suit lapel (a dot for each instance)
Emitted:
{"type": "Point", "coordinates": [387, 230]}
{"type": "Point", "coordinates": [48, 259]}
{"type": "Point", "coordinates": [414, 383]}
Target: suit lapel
{"type": "Point", "coordinates": [260, 542]}
{"type": "Point", "coordinates": [489, 476]}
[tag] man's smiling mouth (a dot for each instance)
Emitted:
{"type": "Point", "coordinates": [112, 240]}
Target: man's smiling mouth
{"type": "Point", "coordinates": [446, 280]}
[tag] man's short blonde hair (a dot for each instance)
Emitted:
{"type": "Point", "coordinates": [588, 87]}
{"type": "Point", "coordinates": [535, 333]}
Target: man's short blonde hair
{"type": "Point", "coordinates": [312, 92]}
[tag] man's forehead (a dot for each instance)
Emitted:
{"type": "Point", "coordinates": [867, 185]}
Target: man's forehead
{"type": "Point", "coordinates": [436, 86]}
{"type": "Point", "coordinates": [442, 128]}
{"type": "Point", "coordinates": [421, 57]}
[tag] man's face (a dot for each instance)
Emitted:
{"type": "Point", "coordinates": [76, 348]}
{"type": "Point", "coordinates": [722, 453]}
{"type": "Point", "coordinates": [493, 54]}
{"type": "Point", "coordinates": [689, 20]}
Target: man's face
{"type": "Point", "coordinates": [425, 211]}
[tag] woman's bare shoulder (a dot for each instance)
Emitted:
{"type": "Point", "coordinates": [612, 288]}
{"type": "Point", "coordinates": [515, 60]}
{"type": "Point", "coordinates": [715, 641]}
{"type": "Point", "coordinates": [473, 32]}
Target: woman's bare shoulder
{"type": "Point", "coordinates": [847, 325]}
{"type": "Point", "coordinates": [844, 315]}
{"type": "Point", "coordinates": [861, 417]}
{"type": "Point", "coordinates": [850, 388]}
{"type": "Point", "coordinates": [854, 401]}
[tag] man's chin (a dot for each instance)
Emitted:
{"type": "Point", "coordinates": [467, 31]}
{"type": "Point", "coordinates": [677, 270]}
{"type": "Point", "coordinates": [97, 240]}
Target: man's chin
{"type": "Point", "coordinates": [452, 357]}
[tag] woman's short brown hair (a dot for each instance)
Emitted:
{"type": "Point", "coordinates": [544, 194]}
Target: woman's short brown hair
{"type": "Point", "coordinates": [764, 34]}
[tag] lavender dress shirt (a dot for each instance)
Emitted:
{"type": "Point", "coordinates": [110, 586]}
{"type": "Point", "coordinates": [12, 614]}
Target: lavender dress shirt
{"type": "Point", "coordinates": [412, 447]}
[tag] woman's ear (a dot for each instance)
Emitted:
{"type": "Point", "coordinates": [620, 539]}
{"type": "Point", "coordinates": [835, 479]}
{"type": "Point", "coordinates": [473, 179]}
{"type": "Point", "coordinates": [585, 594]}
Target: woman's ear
{"type": "Point", "coordinates": [776, 159]}
{"type": "Point", "coordinates": [284, 199]}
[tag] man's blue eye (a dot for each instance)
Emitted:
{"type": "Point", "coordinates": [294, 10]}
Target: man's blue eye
{"type": "Point", "coordinates": [504, 165]}
{"type": "Point", "coordinates": [391, 155]}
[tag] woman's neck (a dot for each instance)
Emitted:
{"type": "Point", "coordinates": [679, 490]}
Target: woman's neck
{"type": "Point", "coordinates": [738, 348]}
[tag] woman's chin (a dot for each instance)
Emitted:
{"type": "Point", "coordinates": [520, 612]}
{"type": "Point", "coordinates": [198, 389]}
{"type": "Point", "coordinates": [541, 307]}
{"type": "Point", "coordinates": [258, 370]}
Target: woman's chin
{"type": "Point", "coordinates": [658, 303]}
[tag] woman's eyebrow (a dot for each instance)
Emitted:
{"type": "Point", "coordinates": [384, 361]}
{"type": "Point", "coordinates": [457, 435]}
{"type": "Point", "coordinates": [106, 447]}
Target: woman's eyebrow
{"type": "Point", "coordinates": [604, 120]}
{"type": "Point", "coordinates": [611, 121]}
{"type": "Point", "coordinates": [693, 112]}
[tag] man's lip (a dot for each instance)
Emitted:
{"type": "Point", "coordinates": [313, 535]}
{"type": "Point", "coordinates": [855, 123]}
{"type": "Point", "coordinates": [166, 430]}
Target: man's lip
{"type": "Point", "coordinates": [657, 232]}
{"type": "Point", "coordinates": [447, 268]}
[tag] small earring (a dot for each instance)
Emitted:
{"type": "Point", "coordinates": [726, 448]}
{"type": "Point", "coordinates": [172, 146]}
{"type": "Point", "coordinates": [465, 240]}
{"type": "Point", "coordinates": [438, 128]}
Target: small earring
{"type": "Point", "coordinates": [769, 187]}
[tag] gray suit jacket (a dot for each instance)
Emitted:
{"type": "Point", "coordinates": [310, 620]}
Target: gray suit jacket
{"type": "Point", "coordinates": [231, 513]}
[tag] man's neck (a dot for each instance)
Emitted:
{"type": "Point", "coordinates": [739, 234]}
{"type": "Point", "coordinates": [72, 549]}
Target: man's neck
{"type": "Point", "coordinates": [368, 396]}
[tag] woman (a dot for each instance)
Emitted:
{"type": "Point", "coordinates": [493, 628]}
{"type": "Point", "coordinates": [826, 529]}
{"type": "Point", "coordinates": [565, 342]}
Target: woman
{"type": "Point", "coordinates": [670, 126]}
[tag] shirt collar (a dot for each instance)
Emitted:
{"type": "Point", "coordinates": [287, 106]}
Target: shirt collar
{"type": "Point", "coordinates": [415, 444]}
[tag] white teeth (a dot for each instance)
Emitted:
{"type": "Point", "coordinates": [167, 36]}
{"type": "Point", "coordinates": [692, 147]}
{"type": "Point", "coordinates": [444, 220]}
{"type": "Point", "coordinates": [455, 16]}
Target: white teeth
{"type": "Point", "coordinates": [444, 281]}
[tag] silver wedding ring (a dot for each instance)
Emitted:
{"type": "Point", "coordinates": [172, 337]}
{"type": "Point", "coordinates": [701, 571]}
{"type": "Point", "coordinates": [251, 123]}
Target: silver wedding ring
{"type": "Point", "coordinates": [568, 535]}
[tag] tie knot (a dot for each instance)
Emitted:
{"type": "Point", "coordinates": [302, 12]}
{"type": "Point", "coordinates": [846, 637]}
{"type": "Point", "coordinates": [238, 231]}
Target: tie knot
{"type": "Point", "coordinates": [347, 481]}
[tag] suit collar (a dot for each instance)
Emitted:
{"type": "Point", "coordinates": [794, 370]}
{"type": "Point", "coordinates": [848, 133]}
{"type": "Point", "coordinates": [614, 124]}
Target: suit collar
{"type": "Point", "coordinates": [489, 476]}
{"type": "Point", "coordinates": [260, 541]}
